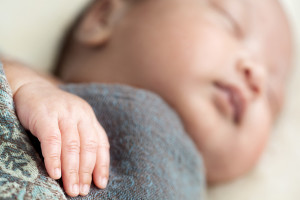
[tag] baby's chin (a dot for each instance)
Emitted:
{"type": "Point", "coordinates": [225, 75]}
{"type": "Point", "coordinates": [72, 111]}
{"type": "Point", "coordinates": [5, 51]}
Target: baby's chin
{"type": "Point", "coordinates": [218, 175]}
{"type": "Point", "coordinates": [223, 167]}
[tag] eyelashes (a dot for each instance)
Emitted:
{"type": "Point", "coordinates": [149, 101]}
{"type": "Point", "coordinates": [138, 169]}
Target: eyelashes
{"type": "Point", "coordinates": [224, 13]}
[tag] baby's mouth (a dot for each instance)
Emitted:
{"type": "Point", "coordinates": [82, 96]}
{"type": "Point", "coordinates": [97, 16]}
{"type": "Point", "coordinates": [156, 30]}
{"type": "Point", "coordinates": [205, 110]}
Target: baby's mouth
{"type": "Point", "coordinates": [235, 99]}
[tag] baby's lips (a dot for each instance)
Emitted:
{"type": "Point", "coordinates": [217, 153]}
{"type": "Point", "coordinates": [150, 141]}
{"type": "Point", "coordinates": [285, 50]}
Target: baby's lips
{"type": "Point", "coordinates": [222, 103]}
{"type": "Point", "coordinates": [233, 99]}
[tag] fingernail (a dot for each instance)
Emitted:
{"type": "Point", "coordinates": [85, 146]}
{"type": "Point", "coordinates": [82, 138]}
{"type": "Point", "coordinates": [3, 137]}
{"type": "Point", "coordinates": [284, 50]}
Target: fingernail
{"type": "Point", "coordinates": [85, 189]}
{"type": "Point", "coordinates": [57, 173]}
{"type": "Point", "coordinates": [103, 182]}
{"type": "Point", "coordinates": [75, 189]}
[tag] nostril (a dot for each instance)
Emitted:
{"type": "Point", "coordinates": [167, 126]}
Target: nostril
{"type": "Point", "coordinates": [255, 89]}
{"type": "Point", "coordinates": [247, 73]}
{"type": "Point", "coordinates": [252, 81]}
{"type": "Point", "coordinates": [251, 76]}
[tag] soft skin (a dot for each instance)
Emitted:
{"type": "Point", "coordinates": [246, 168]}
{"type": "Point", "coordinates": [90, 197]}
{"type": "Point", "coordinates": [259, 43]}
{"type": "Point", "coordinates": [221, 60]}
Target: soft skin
{"type": "Point", "coordinates": [221, 64]}
{"type": "Point", "coordinates": [74, 145]}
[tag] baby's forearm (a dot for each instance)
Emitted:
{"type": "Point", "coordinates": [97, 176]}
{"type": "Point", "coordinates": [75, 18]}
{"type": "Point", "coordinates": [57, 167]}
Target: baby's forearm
{"type": "Point", "coordinates": [18, 75]}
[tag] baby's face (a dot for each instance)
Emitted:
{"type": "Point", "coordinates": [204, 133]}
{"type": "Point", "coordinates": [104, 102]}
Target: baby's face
{"type": "Point", "coordinates": [220, 63]}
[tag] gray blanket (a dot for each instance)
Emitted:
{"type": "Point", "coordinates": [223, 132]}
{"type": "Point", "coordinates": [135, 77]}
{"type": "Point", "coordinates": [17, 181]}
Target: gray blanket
{"type": "Point", "coordinates": [151, 155]}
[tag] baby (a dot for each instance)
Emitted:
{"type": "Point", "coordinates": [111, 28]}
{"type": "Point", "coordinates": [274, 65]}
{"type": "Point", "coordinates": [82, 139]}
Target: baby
{"type": "Point", "coordinates": [221, 64]}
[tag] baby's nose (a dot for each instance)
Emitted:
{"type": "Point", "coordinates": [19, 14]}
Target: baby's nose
{"type": "Point", "coordinates": [253, 74]}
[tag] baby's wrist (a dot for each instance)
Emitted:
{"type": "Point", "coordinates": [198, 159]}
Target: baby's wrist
{"type": "Point", "coordinates": [18, 76]}
{"type": "Point", "coordinates": [42, 84]}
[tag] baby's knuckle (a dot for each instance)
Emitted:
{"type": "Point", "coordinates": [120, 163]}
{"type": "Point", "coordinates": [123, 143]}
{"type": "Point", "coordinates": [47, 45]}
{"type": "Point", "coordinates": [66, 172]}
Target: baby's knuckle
{"type": "Point", "coordinates": [71, 111]}
{"type": "Point", "coordinates": [73, 147]}
{"type": "Point", "coordinates": [85, 104]}
{"type": "Point", "coordinates": [53, 139]}
{"type": "Point", "coordinates": [85, 171]}
{"type": "Point", "coordinates": [54, 156]}
{"type": "Point", "coordinates": [90, 146]}
{"type": "Point", "coordinates": [86, 108]}
{"type": "Point", "coordinates": [65, 123]}
{"type": "Point", "coordinates": [79, 112]}
{"type": "Point", "coordinates": [78, 102]}
{"type": "Point", "coordinates": [73, 172]}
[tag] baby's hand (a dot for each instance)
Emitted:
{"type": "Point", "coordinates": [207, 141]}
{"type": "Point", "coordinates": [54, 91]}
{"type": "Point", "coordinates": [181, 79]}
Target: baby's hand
{"type": "Point", "coordinates": [73, 143]}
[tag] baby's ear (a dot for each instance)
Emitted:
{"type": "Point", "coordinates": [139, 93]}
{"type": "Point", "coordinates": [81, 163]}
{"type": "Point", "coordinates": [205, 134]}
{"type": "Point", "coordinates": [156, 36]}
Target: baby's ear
{"type": "Point", "coordinates": [96, 26]}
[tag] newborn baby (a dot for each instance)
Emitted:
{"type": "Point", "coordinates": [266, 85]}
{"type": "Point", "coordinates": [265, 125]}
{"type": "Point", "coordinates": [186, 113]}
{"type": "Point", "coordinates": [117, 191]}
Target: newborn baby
{"type": "Point", "coordinates": [221, 64]}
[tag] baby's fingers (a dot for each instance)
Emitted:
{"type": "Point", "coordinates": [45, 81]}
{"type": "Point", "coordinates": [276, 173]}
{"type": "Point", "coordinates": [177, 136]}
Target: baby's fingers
{"type": "Point", "coordinates": [101, 171]}
{"type": "Point", "coordinates": [48, 133]}
{"type": "Point", "coordinates": [70, 156]}
{"type": "Point", "coordinates": [88, 151]}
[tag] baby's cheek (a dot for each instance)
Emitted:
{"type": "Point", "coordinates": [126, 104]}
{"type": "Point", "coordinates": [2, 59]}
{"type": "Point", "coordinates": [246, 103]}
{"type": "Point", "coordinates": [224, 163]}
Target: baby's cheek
{"type": "Point", "coordinates": [231, 151]}
{"type": "Point", "coordinates": [253, 136]}
{"type": "Point", "coordinates": [258, 122]}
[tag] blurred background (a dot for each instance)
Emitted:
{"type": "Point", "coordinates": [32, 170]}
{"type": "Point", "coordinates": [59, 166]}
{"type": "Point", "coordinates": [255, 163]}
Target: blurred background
{"type": "Point", "coordinates": [31, 31]}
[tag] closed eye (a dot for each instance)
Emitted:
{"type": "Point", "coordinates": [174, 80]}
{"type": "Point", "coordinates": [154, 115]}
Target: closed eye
{"type": "Point", "coordinates": [235, 26]}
